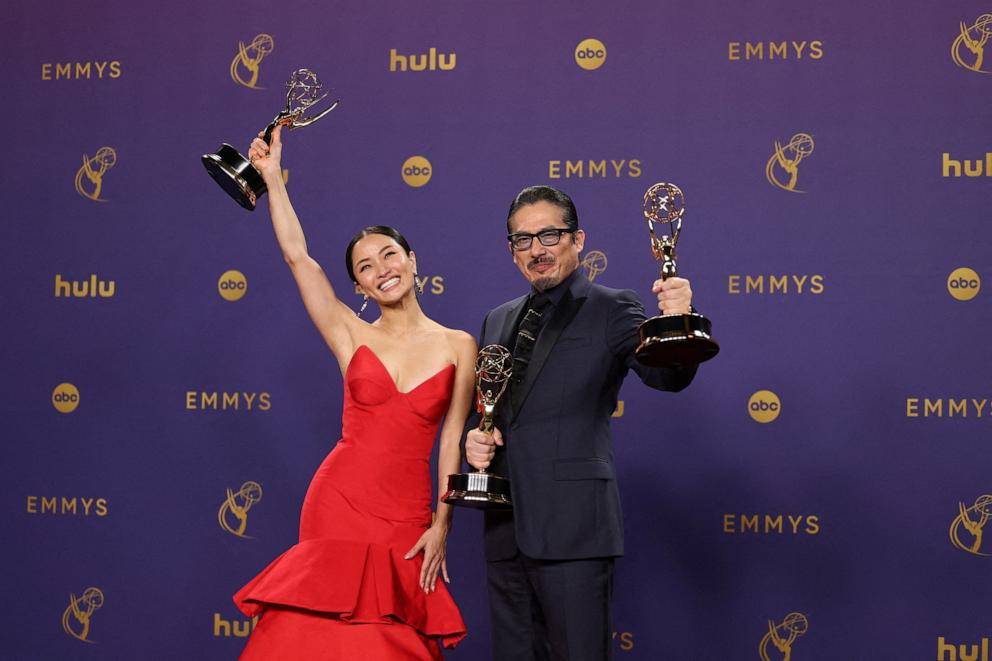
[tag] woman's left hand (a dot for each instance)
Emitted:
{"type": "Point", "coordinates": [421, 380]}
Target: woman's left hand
{"type": "Point", "coordinates": [433, 543]}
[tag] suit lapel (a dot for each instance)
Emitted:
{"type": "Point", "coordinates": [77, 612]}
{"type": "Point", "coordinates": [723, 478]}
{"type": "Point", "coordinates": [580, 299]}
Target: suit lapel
{"type": "Point", "coordinates": [565, 311]}
{"type": "Point", "coordinates": [510, 322]}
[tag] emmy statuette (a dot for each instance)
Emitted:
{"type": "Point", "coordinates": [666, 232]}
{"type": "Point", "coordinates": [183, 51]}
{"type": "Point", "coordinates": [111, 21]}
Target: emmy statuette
{"type": "Point", "coordinates": [671, 340]}
{"type": "Point", "coordinates": [483, 490]}
{"type": "Point", "coordinates": [235, 173]}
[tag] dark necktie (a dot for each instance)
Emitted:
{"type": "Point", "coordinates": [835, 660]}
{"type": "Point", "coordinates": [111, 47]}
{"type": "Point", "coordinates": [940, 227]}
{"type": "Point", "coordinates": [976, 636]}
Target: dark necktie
{"type": "Point", "coordinates": [527, 332]}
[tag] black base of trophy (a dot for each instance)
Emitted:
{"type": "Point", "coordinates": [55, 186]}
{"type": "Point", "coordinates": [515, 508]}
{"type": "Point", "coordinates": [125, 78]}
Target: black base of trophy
{"type": "Point", "coordinates": [676, 340]}
{"type": "Point", "coordinates": [236, 175]}
{"type": "Point", "coordinates": [478, 490]}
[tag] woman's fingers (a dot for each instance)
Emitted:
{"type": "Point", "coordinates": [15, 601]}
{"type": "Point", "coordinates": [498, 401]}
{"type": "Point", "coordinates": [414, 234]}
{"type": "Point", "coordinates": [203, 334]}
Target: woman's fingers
{"type": "Point", "coordinates": [424, 573]}
{"type": "Point", "coordinates": [415, 550]}
{"type": "Point", "coordinates": [433, 563]}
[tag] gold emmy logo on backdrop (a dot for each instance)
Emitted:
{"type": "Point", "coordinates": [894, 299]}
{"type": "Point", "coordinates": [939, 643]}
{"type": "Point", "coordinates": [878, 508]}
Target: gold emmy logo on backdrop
{"type": "Point", "coordinates": [89, 177]}
{"type": "Point", "coordinates": [783, 635]}
{"type": "Point", "coordinates": [76, 617]}
{"type": "Point", "coordinates": [590, 54]}
{"type": "Point", "coordinates": [972, 520]}
{"type": "Point", "coordinates": [65, 398]}
{"type": "Point", "coordinates": [973, 38]}
{"type": "Point", "coordinates": [233, 513]}
{"type": "Point", "coordinates": [764, 406]}
{"type": "Point", "coordinates": [588, 169]}
{"type": "Point", "coordinates": [784, 161]}
{"type": "Point", "coordinates": [594, 264]}
{"type": "Point", "coordinates": [416, 171]}
{"type": "Point", "coordinates": [963, 284]}
{"type": "Point", "coordinates": [775, 284]}
{"type": "Point", "coordinates": [232, 285]}
{"type": "Point", "coordinates": [246, 62]}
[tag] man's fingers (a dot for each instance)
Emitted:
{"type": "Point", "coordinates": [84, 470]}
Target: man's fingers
{"type": "Point", "coordinates": [479, 461]}
{"type": "Point", "coordinates": [480, 454]}
{"type": "Point", "coordinates": [481, 447]}
{"type": "Point", "coordinates": [479, 438]}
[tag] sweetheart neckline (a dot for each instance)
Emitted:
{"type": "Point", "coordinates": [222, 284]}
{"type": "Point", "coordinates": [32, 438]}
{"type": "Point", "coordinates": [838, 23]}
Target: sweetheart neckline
{"type": "Point", "coordinates": [389, 376]}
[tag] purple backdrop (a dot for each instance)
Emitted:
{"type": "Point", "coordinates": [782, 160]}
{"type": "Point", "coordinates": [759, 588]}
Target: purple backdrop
{"type": "Point", "coordinates": [858, 507]}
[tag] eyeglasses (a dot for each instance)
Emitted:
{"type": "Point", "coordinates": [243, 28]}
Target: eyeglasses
{"type": "Point", "coordinates": [523, 240]}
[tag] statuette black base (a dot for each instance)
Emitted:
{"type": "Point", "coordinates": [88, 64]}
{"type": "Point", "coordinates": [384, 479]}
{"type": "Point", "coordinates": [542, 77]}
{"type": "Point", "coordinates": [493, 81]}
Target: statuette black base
{"type": "Point", "coordinates": [676, 340]}
{"type": "Point", "coordinates": [478, 490]}
{"type": "Point", "coordinates": [236, 175]}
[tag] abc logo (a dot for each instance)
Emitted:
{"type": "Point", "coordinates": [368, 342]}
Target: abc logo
{"type": "Point", "coordinates": [963, 284]}
{"type": "Point", "coordinates": [416, 171]}
{"type": "Point", "coordinates": [764, 406]}
{"type": "Point", "coordinates": [65, 398]}
{"type": "Point", "coordinates": [590, 54]}
{"type": "Point", "coordinates": [232, 285]}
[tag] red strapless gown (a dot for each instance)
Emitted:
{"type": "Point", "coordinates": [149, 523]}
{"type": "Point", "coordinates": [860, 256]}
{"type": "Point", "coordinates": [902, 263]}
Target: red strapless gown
{"type": "Point", "coordinates": [345, 591]}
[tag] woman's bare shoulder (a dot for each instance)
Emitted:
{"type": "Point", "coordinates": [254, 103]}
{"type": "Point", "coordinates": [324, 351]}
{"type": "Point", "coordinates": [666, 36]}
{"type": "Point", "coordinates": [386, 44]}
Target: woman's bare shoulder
{"type": "Point", "coordinates": [461, 343]}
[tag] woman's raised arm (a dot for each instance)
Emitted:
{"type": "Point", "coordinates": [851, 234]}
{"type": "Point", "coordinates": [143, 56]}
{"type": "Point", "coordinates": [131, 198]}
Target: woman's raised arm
{"type": "Point", "coordinates": [335, 320]}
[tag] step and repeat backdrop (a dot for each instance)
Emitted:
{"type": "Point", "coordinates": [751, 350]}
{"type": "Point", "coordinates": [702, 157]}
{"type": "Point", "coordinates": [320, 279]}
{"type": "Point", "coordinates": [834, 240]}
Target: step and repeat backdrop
{"type": "Point", "coordinates": [822, 491]}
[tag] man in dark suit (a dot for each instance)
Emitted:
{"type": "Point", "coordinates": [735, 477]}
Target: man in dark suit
{"type": "Point", "coordinates": [550, 559]}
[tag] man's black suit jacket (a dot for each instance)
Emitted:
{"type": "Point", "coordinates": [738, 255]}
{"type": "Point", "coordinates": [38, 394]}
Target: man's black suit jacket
{"type": "Point", "coordinates": [558, 452]}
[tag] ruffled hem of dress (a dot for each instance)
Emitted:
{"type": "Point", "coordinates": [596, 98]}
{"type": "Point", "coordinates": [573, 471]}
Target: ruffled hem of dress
{"type": "Point", "coordinates": [355, 582]}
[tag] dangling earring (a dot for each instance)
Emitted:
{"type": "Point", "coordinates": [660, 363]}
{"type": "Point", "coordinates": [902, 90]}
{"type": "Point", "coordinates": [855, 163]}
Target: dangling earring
{"type": "Point", "coordinates": [365, 303]}
{"type": "Point", "coordinates": [420, 284]}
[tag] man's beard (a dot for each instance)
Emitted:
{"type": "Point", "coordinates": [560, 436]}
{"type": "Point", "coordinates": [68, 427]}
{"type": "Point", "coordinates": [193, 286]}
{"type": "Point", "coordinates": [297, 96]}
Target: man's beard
{"type": "Point", "coordinates": [544, 284]}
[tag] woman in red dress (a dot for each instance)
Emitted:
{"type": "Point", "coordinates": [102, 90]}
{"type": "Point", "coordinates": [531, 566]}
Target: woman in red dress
{"type": "Point", "coordinates": [362, 581]}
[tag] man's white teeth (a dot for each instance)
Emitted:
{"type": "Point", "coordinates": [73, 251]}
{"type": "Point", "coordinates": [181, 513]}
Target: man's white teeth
{"type": "Point", "coordinates": [389, 284]}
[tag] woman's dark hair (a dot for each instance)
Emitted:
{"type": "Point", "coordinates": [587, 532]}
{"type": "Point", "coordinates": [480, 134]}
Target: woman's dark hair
{"type": "Point", "coordinates": [534, 194]}
{"type": "Point", "coordinates": [375, 229]}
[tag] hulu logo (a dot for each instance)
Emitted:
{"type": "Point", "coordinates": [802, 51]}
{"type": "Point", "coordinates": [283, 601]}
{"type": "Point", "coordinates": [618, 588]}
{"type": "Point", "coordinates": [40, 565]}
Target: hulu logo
{"type": "Point", "coordinates": [90, 288]}
{"type": "Point", "coordinates": [239, 628]}
{"type": "Point", "coordinates": [965, 652]}
{"type": "Point", "coordinates": [430, 61]}
{"type": "Point", "coordinates": [975, 168]}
